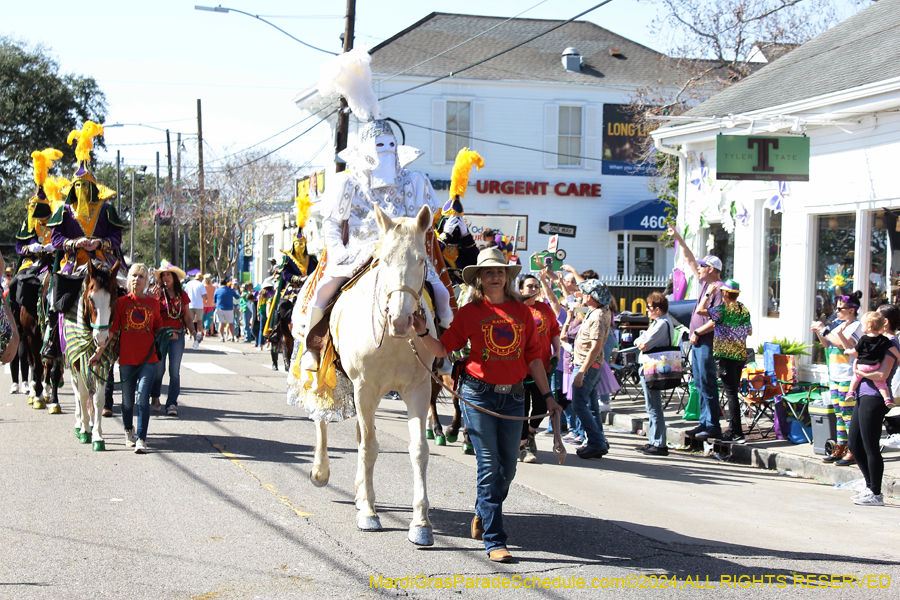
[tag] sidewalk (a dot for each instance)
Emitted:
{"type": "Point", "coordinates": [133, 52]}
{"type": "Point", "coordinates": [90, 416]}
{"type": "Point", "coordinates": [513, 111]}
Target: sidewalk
{"type": "Point", "coordinates": [628, 414]}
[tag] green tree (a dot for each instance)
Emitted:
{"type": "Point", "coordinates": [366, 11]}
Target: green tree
{"type": "Point", "coordinates": [39, 105]}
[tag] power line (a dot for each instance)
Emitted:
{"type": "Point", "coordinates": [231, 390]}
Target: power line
{"type": "Point", "coordinates": [501, 143]}
{"type": "Point", "coordinates": [493, 56]}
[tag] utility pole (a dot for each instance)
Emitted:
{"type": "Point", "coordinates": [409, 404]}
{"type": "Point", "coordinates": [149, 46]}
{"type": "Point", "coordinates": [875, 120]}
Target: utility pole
{"type": "Point", "coordinates": [173, 228]}
{"type": "Point", "coordinates": [119, 182]}
{"type": "Point", "coordinates": [156, 216]}
{"type": "Point", "coordinates": [181, 198]}
{"type": "Point", "coordinates": [133, 218]}
{"type": "Point", "coordinates": [202, 192]}
{"type": "Point", "coordinates": [343, 118]}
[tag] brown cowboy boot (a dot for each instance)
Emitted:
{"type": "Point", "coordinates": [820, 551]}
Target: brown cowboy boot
{"type": "Point", "coordinates": [838, 454]}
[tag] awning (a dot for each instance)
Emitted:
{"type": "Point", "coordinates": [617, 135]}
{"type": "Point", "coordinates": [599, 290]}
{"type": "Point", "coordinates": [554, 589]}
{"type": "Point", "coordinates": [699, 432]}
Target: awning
{"type": "Point", "coordinates": [647, 215]}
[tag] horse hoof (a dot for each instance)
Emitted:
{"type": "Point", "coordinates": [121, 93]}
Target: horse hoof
{"type": "Point", "coordinates": [99, 446]}
{"type": "Point", "coordinates": [421, 536]}
{"type": "Point", "coordinates": [77, 431]}
{"type": "Point", "coordinates": [440, 441]}
{"type": "Point", "coordinates": [468, 449]}
{"type": "Point", "coordinates": [316, 482]}
{"type": "Point", "coordinates": [429, 434]}
{"type": "Point", "coordinates": [84, 438]}
{"type": "Point", "coordinates": [369, 524]}
{"type": "Point", "coordinates": [46, 395]}
{"type": "Point", "coordinates": [54, 409]}
{"type": "Point", "coordinates": [452, 438]}
{"type": "Point", "coordinates": [38, 404]}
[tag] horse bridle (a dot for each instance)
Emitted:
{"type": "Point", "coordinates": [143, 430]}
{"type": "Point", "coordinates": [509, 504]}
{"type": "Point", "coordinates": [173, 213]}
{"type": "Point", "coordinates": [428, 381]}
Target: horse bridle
{"type": "Point", "coordinates": [88, 302]}
{"type": "Point", "coordinates": [417, 296]}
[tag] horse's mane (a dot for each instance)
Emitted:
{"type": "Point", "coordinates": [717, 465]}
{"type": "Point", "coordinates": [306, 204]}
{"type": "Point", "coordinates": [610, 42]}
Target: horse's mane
{"type": "Point", "coordinates": [102, 275]}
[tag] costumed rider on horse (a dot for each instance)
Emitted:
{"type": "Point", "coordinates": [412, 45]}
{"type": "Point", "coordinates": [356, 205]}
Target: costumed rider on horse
{"type": "Point", "coordinates": [33, 243]}
{"type": "Point", "coordinates": [376, 176]}
{"type": "Point", "coordinates": [86, 226]}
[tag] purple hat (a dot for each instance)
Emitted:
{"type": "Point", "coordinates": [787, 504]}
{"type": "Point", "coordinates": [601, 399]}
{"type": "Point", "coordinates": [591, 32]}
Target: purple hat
{"type": "Point", "coordinates": [711, 261]}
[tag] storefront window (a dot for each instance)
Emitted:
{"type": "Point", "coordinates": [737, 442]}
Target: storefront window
{"type": "Point", "coordinates": [719, 242]}
{"type": "Point", "coordinates": [772, 262]}
{"type": "Point", "coordinates": [835, 242]}
{"type": "Point", "coordinates": [884, 259]}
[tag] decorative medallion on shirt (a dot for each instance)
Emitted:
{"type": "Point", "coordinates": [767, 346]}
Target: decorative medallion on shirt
{"type": "Point", "coordinates": [502, 338]}
{"type": "Point", "coordinates": [138, 318]}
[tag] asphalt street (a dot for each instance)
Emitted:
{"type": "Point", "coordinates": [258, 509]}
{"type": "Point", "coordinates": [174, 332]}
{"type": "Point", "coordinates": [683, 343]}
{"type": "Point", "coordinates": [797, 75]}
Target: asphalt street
{"type": "Point", "coordinates": [222, 508]}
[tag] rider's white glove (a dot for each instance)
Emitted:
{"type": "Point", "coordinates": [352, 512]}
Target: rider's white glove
{"type": "Point", "coordinates": [455, 222]}
{"type": "Point", "coordinates": [34, 247]}
{"type": "Point", "coordinates": [49, 248]}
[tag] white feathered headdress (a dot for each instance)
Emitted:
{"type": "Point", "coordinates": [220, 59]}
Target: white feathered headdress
{"type": "Point", "coordinates": [350, 75]}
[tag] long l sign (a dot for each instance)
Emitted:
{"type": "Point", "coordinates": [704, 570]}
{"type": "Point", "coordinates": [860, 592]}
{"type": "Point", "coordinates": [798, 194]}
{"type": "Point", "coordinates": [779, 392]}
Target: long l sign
{"type": "Point", "coordinates": [762, 158]}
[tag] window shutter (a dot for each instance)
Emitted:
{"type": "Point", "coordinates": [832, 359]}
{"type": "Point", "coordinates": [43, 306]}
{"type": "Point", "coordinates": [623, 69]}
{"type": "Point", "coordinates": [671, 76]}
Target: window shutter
{"type": "Point", "coordinates": [438, 137]}
{"type": "Point", "coordinates": [590, 136]}
{"type": "Point", "coordinates": [551, 136]}
{"type": "Point", "coordinates": [478, 126]}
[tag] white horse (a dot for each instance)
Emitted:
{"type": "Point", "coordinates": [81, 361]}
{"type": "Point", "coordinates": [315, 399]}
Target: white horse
{"type": "Point", "coordinates": [86, 328]}
{"type": "Point", "coordinates": [385, 299]}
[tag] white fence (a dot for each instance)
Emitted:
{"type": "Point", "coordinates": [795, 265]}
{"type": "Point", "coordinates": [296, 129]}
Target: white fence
{"type": "Point", "coordinates": [634, 281]}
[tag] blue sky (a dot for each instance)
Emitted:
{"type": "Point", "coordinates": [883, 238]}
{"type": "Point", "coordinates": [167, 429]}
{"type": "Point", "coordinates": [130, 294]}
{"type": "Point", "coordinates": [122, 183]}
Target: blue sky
{"type": "Point", "coordinates": [155, 59]}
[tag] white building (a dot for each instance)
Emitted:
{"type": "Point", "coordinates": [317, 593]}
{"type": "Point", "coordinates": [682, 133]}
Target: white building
{"type": "Point", "coordinates": [839, 231]}
{"type": "Point", "coordinates": [547, 120]}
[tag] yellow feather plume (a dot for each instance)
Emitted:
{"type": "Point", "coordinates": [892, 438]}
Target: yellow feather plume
{"type": "Point", "coordinates": [105, 193]}
{"type": "Point", "coordinates": [459, 180]}
{"type": "Point", "coordinates": [52, 188]}
{"type": "Point", "coordinates": [43, 160]}
{"type": "Point", "coordinates": [85, 138]}
{"type": "Point", "coordinates": [303, 206]}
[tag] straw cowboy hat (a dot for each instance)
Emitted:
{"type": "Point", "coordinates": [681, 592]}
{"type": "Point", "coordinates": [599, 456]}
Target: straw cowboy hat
{"type": "Point", "coordinates": [489, 257]}
{"type": "Point", "coordinates": [167, 267]}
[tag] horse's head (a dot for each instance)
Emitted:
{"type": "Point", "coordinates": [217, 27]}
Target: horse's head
{"type": "Point", "coordinates": [100, 295]}
{"type": "Point", "coordinates": [402, 267]}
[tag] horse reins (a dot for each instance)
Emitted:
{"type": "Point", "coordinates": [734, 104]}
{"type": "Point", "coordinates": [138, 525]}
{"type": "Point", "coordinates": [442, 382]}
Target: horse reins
{"type": "Point", "coordinates": [559, 449]}
{"type": "Point", "coordinates": [417, 295]}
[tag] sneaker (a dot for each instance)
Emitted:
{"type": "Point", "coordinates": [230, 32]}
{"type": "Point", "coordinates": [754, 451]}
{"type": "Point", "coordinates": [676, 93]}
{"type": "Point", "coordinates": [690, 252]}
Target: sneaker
{"type": "Point", "coordinates": [694, 431]}
{"type": "Point", "coordinates": [591, 453]}
{"type": "Point", "coordinates": [222, 339]}
{"type": "Point", "coordinates": [172, 410]}
{"type": "Point", "coordinates": [129, 438]}
{"type": "Point", "coordinates": [708, 433]}
{"type": "Point", "coordinates": [529, 456]}
{"type": "Point", "coordinates": [656, 451]}
{"type": "Point", "coordinates": [154, 404]}
{"type": "Point", "coordinates": [730, 436]}
{"type": "Point", "coordinates": [546, 433]}
{"type": "Point", "coordinates": [14, 389]}
{"type": "Point", "coordinates": [872, 500]}
{"type": "Point", "coordinates": [644, 447]}
{"type": "Point", "coordinates": [522, 453]}
{"type": "Point", "coordinates": [866, 492]}
{"type": "Point", "coordinates": [575, 441]}
{"type": "Point", "coordinates": [140, 447]}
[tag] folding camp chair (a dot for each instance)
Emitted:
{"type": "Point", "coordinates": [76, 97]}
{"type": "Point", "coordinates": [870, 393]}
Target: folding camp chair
{"type": "Point", "coordinates": [625, 367]}
{"type": "Point", "coordinates": [682, 340]}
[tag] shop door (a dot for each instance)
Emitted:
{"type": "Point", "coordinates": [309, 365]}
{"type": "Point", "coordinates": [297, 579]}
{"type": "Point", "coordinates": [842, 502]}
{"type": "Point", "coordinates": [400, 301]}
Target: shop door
{"type": "Point", "coordinates": [643, 260]}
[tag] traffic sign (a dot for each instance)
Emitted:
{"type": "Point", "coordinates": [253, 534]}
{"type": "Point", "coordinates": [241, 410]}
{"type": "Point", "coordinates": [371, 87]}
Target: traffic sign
{"type": "Point", "coordinates": [554, 242]}
{"type": "Point", "coordinates": [557, 228]}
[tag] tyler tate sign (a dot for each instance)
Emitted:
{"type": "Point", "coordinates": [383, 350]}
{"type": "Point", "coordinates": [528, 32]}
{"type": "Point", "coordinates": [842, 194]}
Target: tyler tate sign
{"type": "Point", "coordinates": [762, 158]}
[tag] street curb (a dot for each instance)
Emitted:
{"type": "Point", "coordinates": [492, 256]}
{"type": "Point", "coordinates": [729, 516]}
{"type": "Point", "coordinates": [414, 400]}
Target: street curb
{"type": "Point", "coordinates": [802, 466]}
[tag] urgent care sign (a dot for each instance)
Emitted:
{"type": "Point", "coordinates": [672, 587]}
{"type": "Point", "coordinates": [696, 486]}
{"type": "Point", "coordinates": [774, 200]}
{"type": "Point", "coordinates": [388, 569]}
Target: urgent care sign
{"type": "Point", "coordinates": [537, 188]}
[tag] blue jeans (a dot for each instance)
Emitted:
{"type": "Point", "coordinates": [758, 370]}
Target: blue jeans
{"type": "Point", "coordinates": [173, 357]}
{"type": "Point", "coordinates": [706, 379]}
{"type": "Point", "coordinates": [141, 384]}
{"type": "Point", "coordinates": [656, 432]}
{"type": "Point", "coordinates": [496, 443]}
{"type": "Point", "coordinates": [585, 399]}
{"type": "Point", "coordinates": [248, 333]}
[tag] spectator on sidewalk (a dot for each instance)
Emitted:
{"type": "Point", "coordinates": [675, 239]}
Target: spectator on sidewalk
{"type": "Point", "coordinates": [732, 327]}
{"type": "Point", "coordinates": [209, 305]}
{"type": "Point", "coordinates": [865, 428]}
{"type": "Point", "coordinates": [224, 299]}
{"type": "Point", "coordinates": [709, 272]}
{"type": "Point", "coordinates": [246, 305]}
{"type": "Point", "coordinates": [837, 337]}
{"type": "Point", "coordinates": [588, 357]}
{"type": "Point", "coordinates": [196, 292]}
{"type": "Point", "coordinates": [658, 334]}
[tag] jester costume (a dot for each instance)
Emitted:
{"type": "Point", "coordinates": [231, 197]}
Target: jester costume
{"type": "Point", "coordinates": [33, 243]}
{"type": "Point", "coordinates": [85, 213]}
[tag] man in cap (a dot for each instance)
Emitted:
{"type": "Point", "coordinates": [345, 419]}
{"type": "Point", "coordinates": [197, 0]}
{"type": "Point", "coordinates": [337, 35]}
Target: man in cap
{"type": "Point", "coordinates": [587, 358]}
{"type": "Point", "coordinates": [708, 272]}
{"type": "Point", "coordinates": [224, 298]}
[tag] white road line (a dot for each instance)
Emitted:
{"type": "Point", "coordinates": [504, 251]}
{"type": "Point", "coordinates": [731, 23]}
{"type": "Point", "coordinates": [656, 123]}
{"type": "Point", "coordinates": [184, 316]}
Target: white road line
{"type": "Point", "coordinates": [219, 348]}
{"type": "Point", "coordinates": [207, 368]}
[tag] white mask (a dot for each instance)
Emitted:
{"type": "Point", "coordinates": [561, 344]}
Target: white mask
{"type": "Point", "coordinates": [385, 172]}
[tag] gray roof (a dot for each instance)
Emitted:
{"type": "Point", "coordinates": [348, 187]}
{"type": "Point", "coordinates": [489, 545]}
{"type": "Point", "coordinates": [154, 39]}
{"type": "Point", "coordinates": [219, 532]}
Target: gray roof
{"type": "Point", "coordinates": [539, 60]}
{"type": "Point", "coordinates": [863, 49]}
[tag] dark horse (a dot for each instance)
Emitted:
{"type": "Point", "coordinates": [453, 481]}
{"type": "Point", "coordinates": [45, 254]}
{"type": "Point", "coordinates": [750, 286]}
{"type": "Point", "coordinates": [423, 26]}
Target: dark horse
{"type": "Point", "coordinates": [32, 318]}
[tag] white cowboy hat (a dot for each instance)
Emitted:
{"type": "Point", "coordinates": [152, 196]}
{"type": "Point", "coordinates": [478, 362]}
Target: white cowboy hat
{"type": "Point", "coordinates": [489, 257]}
{"type": "Point", "coordinates": [167, 267]}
